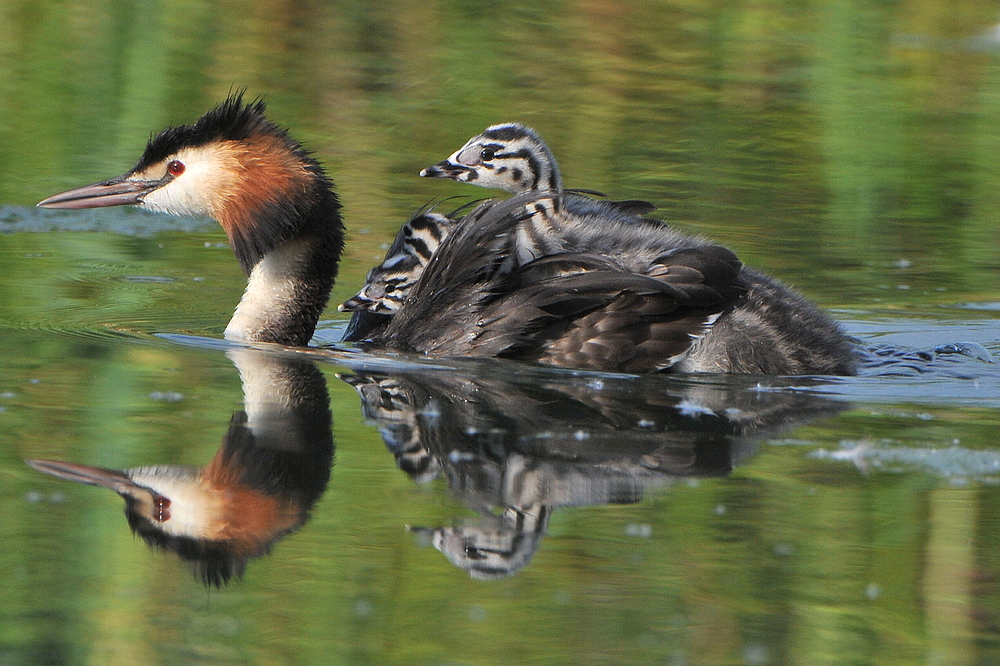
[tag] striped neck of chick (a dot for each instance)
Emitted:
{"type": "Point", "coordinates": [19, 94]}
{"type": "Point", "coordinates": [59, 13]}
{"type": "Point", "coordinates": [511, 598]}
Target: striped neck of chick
{"type": "Point", "coordinates": [508, 156]}
{"type": "Point", "coordinates": [388, 284]}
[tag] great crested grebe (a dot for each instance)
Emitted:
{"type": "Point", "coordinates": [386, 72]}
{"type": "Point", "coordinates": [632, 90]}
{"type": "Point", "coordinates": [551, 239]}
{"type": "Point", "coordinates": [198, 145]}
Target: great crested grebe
{"type": "Point", "coordinates": [273, 200]}
{"type": "Point", "coordinates": [595, 287]}
{"type": "Point", "coordinates": [508, 156]}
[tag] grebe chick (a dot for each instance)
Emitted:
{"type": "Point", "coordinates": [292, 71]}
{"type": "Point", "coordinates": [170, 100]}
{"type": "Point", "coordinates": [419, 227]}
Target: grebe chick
{"type": "Point", "coordinates": [513, 157]}
{"type": "Point", "coordinates": [508, 156]}
{"type": "Point", "coordinates": [273, 200]}
{"type": "Point", "coordinates": [388, 284]}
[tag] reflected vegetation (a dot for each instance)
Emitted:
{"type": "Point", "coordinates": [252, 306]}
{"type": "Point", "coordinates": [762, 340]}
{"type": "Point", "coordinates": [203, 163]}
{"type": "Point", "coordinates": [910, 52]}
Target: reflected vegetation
{"type": "Point", "coordinates": [810, 128]}
{"type": "Point", "coordinates": [516, 446]}
{"type": "Point", "coordinates": [272, 467]}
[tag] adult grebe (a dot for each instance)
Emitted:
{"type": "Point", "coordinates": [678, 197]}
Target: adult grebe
{"type": "Point", "coordinates": [272, 467]}
{"type": "Point", "coordinates": [595, 287]}
{"type": "Point", "coordinates": [273, 200]}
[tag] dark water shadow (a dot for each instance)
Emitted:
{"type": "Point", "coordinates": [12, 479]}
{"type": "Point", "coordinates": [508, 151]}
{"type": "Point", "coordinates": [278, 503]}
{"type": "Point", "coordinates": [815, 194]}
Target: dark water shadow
{"type": "Point", "coordinates": [515, 446]}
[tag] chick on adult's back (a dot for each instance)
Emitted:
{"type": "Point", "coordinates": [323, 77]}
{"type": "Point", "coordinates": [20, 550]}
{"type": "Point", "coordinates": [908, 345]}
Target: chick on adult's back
{"type": "Point", "coordinates": [602, 289]}
{"type": "Point", "coordinates": [508, 156]}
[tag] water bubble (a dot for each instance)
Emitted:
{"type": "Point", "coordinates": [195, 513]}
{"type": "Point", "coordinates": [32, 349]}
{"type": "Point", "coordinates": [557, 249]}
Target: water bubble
{"type": "Point", "coordinates": [363, 608]}
{"type": "Point", "coordinates": [756, 654]}
{"type": "Point", "coordinates": [639, 530]}
{"type": "Point", "coordinates": [166, 396]}
{"type": "Point", "coordinates": [690, 408]}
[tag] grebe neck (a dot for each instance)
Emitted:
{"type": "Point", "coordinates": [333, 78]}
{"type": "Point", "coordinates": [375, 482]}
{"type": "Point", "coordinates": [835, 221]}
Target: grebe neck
{"type": "Point", "coordinates": [286, 293]}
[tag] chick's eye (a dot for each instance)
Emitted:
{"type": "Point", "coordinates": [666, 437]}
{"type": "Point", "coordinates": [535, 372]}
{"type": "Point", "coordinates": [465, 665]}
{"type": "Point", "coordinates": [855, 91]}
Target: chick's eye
{"type": "Point", "coordinates": [487, 154]}
{"type": "Point", "coordinates": [175, 168]}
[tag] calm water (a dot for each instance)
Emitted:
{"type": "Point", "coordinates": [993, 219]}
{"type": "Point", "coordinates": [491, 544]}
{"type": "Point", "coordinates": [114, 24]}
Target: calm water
{"type": "Point", "coordinates": [494, 512]}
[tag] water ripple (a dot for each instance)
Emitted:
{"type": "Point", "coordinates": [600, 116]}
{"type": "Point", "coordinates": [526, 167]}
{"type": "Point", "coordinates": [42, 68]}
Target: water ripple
{"type": "Point", "coordinates": [126, 220]}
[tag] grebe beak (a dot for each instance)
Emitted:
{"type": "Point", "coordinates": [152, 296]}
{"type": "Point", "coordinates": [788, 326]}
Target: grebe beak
{"type": "Point", "coordinates": [92, 476]}
{"type": "Point", "coordinates": [445, 169]}
{"type": "Point", "coordinates": [118, 191]}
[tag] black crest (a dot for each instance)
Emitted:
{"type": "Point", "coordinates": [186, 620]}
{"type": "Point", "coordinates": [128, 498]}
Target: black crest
{"type": "Point", "coordinates": [230, 121]}
{"type": "Point", "coordinates": [510, 132]}
{"type": "Point", "coordinates": [314, 208]}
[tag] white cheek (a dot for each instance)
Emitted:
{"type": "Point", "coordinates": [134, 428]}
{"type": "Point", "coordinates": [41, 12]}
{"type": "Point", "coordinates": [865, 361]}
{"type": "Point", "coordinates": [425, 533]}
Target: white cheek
{"type": "Point", "coordinates": [504, 181]}
{"type": "Point", "coordinates": [164, 200]}
{"type": "Point", "coordinates": [193, 510]}
{"type": "Point", "coordinates": [199, 190]}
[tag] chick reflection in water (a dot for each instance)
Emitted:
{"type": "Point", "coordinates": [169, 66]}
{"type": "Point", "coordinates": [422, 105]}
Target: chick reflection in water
{"type": "Point", "coordinates": [274, 464]}
{"type": "Point", "coordinates": [514, 447]}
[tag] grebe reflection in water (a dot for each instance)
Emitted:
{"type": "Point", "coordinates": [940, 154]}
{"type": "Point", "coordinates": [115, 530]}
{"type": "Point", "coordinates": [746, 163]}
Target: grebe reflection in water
{"type": "Point", "coordinates": [272, 467]}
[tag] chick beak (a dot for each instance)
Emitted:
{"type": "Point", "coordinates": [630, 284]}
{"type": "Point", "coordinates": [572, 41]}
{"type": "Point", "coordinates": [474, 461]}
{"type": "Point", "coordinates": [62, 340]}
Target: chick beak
{"type": "Point", "coordinates": [445, 169]}
{"type": "Point", "coordinates": [118, 191]}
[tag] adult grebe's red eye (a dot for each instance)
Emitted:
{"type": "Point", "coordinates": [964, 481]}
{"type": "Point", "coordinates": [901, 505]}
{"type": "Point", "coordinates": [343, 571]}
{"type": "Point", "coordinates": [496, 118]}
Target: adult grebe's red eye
{"type": "Point", "coordinates": [175, 168]}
